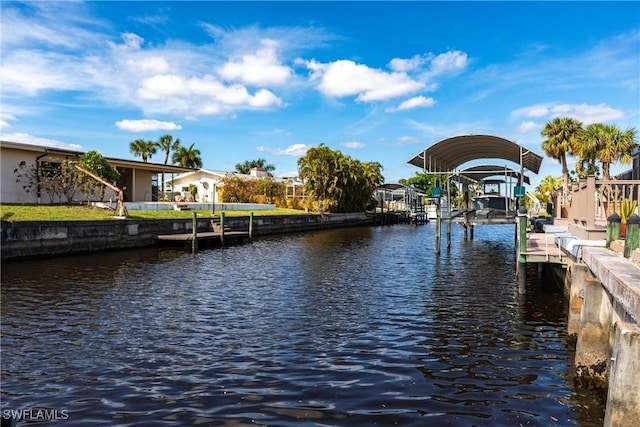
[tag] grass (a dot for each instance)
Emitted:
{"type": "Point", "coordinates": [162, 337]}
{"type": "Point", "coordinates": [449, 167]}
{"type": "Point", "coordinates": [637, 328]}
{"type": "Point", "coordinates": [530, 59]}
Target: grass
{"type": "Point", "coordinates": [15, 213]}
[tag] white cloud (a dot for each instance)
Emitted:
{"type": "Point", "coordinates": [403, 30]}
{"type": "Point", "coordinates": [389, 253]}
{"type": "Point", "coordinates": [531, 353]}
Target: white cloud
{"type": "Point", "coordinates": [297, 150]}
{"type": "Point", "coordinates": [408, 140]}
{"type": "Point", "coordinates": [346, 78]}
{"type": "Point", "coordinates": [353, 145]}
{"type": "Point", "coordinates": [146, 125]}
{"type": "Point", "coordinates": [415, 102]}
{"type": "Point", "coordinates": [586, 113]}
{"type": "Point", "coordinates": [5, 118]}
{"type": "Point", "coordinates": [405, 65]}
{"type": "Point", "coordinates": [260, 68]}
{"type": "Point", "coordinates": [527, 126]}
{"type": "Point", "coordinates": [452, 61]}
{"type": "Point", "coordinates": [26, 138]}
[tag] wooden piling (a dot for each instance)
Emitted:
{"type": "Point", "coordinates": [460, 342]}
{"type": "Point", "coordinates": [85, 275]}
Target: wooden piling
{"type": "Point", "coordinates": [613, 228]}
{"type": "Point", "coordinates": [194, 231]}
{"type": "Point", "coordinates": [522, 260]}
{"type": "Point", "coordinates": [632, 238]}
{"type": "Point", "coordinates": [222, 228]}
{"type": "Point", "coordinates": [250, 226]}
{"type": "Point", "coordinates": [438, 227]}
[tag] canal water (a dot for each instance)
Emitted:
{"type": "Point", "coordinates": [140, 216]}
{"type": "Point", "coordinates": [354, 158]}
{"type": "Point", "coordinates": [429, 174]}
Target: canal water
{"type": "Point", "coordinates": [352, 327]}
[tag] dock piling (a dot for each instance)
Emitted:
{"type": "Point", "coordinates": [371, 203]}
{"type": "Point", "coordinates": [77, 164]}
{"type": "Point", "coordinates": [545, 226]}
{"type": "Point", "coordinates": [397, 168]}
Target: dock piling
{"type": "Point", "coordinates": [222, 228]}
{"type": "Point", "coordinates": [613, 228]}
{"type": "Point", "coordinates": [194, 231]}
{"type": "Point", "coordinates": [522, 260]}
{"type": "Point", "coordinates": [250, 226]}
{"type": "Point", "coordinates": [632, 237]}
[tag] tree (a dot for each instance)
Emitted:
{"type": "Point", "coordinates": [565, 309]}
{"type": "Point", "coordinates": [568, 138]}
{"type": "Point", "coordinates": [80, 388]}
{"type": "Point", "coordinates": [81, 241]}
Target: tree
{"type": "Point", "coordinates": [561, 134]}
{"type": "Point", "coordinates": [98, 165]}
{"type": "Point", "coordinates": [167, 144]}
{"type": "Point", "coordinates": [425, 182]}
{"type": "Point", "coordinates": [142, 148]}
{"type": "Point", "coordinates": [54, 178]}
{"type": "Point", "coordinates": [547, 187]}
{"type": "Point", "coordinates": [187, 157]}
{"type": "Point", "coordinates": [247, 165]}
{"type": "Point", "coordinates": [607, 144]}
{"type": "Point", "coordinates": [337, 182]}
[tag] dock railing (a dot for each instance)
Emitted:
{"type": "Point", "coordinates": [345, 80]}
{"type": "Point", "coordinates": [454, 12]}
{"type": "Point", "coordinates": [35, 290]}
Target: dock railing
{"type": "Point", "coordinates": [592, 200]}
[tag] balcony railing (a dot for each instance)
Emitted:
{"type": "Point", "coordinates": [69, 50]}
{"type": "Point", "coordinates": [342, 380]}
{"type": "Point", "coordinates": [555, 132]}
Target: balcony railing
{"type": "Point", "coordinates": [591, 201]}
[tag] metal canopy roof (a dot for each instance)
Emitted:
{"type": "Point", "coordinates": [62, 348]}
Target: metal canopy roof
{"type": "Point", "coordinates": [450, 153]}
{"type": "Point", "coordinates": [480, 173]}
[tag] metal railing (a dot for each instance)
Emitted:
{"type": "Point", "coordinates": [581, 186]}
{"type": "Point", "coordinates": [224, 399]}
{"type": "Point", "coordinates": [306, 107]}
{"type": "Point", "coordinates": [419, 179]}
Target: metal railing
{"type": "Point", "coordinates": [590, 200]}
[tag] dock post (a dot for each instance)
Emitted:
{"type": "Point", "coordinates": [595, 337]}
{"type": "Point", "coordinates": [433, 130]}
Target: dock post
{"type": "Point", "coordinates": [613, 228]}
{"type": "Point", "coordinates": [222, 228]}
{"type": "Point", "coordinates": [438, 227]}
{"type": "Point", "coordinates": [522, 259]}
{"type": "Point", "coordinates": [194, 231]}
{"type": "Point", "coordinates": [622, 407]}
{"type": "Point", "coordinates": [250, 226]}
{"type": "Point", "coordinates": [449, 233]}
{"type": "Point", "coordinates": [471, 231]}
{"type": "Point", "coordinates": [632, 238]}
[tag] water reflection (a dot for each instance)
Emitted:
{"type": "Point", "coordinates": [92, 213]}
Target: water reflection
{"type": "Point", "coordinates": [348, 327]}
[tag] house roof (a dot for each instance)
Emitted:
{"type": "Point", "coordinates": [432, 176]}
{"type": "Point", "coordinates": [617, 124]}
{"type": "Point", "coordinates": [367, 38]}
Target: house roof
{"type": "Point", "coordinates": [115, 162]}
{"type": "Point", "coordinates": [448, 154]}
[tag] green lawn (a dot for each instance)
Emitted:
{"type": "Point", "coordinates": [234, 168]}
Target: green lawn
{"type": "Point", "coordinates": [79, 213]}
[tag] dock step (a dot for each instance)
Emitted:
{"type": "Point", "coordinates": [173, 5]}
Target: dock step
{"type": "Point", "coordinates": [181, 207]}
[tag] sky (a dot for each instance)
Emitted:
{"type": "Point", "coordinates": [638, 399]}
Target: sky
{"type": "Point", "coordinates": [378, 81]}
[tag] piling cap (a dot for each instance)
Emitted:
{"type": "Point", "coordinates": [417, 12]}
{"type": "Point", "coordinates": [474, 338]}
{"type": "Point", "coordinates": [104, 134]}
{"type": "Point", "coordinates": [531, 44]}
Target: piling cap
{"type": "Point", "coordinates": [633, 219]}
{"type": "Point", "coordinates": [614, 217]}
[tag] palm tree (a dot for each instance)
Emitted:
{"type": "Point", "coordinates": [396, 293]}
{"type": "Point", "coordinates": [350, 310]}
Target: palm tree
{"type": "Point", "coordinates": [607, 144]}
{"type": "Point", "coordinates": [142, 148]}
{"type": "Point", "coordinates": [548, 186]}
{"type": "Point", "coordinates": [317, 169]}
{"type": "Point", "coordinates": [247, 165]}
{"type": "Point", "coordinates": [187, 157]}
{"type": "Point", "coordinates": [167, 144]}
{"type": "Point", "coordinates": [561, 135]}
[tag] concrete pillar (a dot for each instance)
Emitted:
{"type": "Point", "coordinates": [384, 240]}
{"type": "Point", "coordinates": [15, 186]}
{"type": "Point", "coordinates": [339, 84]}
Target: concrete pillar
{"type": "Point", "coordinates": [592, 346]}
{"type": "Point", "coordinates": [577, 276]}
{"type": "Point", "coordinates": [623, 398]}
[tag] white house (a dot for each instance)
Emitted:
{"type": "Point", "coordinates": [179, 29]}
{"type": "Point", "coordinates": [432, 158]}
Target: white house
{"type": "Point", "coordinates": [206, 181]}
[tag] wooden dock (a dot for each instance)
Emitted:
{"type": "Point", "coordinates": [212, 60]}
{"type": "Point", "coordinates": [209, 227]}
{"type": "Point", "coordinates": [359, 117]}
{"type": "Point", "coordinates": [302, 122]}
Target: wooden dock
{"type": "Point", "coordinates": [206, 238]}
{"type": "Point", "coordinates": [541, 247]}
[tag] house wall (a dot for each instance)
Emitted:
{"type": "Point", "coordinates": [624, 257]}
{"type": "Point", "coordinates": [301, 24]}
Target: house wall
{"type": "Point", "coordinates": [12, 191]}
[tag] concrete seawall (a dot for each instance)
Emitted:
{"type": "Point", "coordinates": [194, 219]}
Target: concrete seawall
{"type": "Point", "coordinates": [51, 238]}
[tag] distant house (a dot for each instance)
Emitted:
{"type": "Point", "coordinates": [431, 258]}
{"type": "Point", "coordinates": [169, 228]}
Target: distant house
{"type": "Point", "coordinates": [139, 179]}
{"type": "Point", "coordinates": [209, 182]}
{"type": "Point", "coordinates": [206, 181]}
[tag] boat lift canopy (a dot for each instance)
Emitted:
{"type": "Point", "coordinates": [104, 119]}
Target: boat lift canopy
{"type": "Point", "coordinates": [450, 153]}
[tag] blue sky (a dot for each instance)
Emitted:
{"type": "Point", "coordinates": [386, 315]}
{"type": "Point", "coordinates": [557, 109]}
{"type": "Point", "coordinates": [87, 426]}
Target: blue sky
{"type": "Point", "coordinates": [379, 81]}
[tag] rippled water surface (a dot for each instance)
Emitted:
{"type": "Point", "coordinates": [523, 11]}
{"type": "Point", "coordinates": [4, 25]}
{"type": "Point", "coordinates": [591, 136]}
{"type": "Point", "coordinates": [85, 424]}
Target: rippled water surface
{"type": "Point", "coordinates": [362, 326]}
